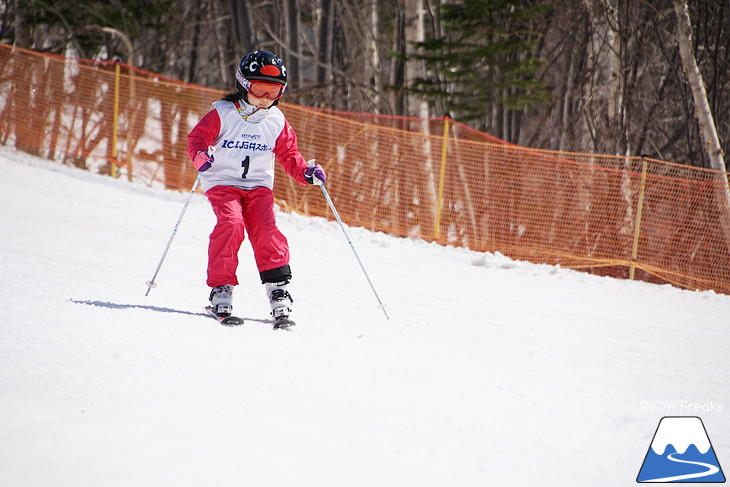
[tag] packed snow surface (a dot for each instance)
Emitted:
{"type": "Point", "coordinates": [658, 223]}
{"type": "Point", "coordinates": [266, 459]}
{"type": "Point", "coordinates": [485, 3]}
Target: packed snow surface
{"type": "Point", "coordinates": [489, 372]}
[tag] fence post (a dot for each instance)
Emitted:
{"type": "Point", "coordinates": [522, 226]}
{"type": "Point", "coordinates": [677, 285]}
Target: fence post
{"type": "Point", "coordinates": [442, 177]}
{"type": "Point", "coordinates": [115, 120]}
{"type": "Point", "coordinates": [637, 227]}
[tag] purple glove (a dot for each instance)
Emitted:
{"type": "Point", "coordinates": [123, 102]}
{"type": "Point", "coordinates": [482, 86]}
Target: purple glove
{"type": "Point", "coordinates": [314, 174]}
{"type": "Point", "coordinates": [202, 161]}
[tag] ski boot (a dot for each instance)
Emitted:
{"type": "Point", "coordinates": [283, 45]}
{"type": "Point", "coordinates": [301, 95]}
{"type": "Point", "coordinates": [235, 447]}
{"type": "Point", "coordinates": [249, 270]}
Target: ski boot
{"type": "Point", "coordinates": [221, 299]}
{"type": "Point", "coordinates": [281, 302]}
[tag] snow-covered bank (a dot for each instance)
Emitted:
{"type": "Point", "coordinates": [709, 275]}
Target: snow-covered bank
{"type": "Point", "coordinates": [502, 373]}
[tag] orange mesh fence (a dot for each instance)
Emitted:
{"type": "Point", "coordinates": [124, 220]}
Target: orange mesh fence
{"type": "Point", "coordinates": [433, 179]}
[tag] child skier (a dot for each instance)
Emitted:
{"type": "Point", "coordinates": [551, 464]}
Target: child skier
{"type": "Point", "coordinates": [247, 132]}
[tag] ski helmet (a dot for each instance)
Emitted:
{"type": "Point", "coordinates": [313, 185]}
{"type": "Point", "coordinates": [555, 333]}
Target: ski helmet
{"type": "Point", "coordinates": [261, 66]}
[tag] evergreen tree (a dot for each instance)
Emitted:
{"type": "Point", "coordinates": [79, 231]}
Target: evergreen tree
{"type": "Point", "coordinates": [60, 23]}
{"type": "Point", "coordinates": [484, 57]}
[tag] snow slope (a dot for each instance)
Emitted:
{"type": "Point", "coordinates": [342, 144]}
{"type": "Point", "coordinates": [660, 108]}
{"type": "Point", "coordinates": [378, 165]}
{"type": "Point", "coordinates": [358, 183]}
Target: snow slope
{"type": "Point", "coordinates": [489, 372]}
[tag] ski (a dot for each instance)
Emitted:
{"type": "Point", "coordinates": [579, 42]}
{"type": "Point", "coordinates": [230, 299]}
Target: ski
{"type": "Point", "coordinates": [225, 320]}
{"type": "Point", "coordinates": [283, 323]}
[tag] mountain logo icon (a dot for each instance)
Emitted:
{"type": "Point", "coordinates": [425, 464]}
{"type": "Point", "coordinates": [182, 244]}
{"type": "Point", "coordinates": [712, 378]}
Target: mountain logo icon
{"type": "Point", "coordinates": [681, 452]}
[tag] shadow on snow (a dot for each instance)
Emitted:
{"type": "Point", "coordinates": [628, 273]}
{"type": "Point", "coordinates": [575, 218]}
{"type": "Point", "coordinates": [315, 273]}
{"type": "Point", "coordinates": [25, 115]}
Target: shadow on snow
{"type": "Point", "coordinates": [159, 309]}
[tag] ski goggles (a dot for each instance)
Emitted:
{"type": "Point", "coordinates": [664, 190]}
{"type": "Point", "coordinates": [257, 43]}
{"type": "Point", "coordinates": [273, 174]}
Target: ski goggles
{"type": "Point", "coordinates": [259, 89]}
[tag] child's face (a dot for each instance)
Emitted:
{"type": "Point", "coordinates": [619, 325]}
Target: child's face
{"type": "Point", "coordinates": [260, 103]}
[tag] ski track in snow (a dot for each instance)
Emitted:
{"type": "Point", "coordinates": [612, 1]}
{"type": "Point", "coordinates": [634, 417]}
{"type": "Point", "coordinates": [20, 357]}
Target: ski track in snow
{"type": "Point", "coordinates": [711, 470]}
{"type": "Point", "coordinates": [489, 372]}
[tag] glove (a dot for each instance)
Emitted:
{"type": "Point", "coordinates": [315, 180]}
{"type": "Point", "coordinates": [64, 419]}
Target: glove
{"type": "Point", "coordinates": [314, 174]}
{"type": "Point", "coordinates": [202, 160]}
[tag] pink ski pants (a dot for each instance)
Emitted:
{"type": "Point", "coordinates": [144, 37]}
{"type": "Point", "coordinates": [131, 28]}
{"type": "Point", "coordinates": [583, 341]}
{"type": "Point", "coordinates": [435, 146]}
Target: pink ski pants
{"type": "Point", "coordinates": [238, 210]}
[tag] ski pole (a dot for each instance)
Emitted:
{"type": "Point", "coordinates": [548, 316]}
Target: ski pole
{"type": "Point", "coordinates": [339, 220]}
{"type": "Point", "coordinates": [151, 282]}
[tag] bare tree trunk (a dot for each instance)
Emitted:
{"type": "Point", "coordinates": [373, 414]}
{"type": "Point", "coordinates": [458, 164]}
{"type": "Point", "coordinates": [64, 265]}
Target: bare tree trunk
{"type": "Point", "coordinates": [193, 54]}
{"type": "Point", "coordinates": [22, 30]}
{"type": "Point", "coordinates": [293, 29]}
{"type": "Point", "coordinates": [397, 72]}
{"type": "Point", "coordinates": [708, 132]}
{"type": "Point", "coordinates": [602, 90]}
{"type": "Point", "coordinates": [415, 32]}
{"type": "Point", "coordinates": [244, 36]}
{"type": "Point", "coordinates": [417, 105]}
{"type": "Point", "coordinates": [374, 69]}
{"type": "Point", "coordinates": [324, 44]}
{"type": "Point", "coordinates": [566, 113]}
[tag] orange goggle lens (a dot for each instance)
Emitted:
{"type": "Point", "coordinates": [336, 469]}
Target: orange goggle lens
{"type": "Point", "coordinates": [259, 89]}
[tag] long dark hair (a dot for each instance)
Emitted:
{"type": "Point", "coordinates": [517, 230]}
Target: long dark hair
{"type": "Point", "coordinates": [234, 96]}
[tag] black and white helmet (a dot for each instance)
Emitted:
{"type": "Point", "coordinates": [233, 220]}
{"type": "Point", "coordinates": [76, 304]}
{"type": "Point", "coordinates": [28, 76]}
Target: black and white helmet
{"type": "Point", "coordinates": [261, 66]}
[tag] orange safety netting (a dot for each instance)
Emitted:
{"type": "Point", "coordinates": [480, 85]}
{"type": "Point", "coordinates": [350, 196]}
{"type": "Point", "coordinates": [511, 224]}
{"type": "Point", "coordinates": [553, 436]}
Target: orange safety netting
{"type": "Point", "coordinates": [433, 179]}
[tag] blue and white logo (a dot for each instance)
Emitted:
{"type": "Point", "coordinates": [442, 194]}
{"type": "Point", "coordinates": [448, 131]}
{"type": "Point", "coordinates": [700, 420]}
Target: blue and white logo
{"type": "Point", "coordinates": [681, 452]}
